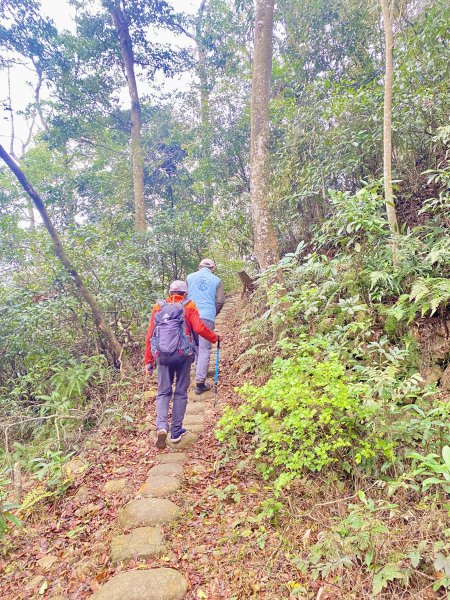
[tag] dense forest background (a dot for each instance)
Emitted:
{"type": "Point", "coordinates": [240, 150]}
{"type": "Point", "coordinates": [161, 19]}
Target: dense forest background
{"type": "Point", "coordinates": [140, 185]}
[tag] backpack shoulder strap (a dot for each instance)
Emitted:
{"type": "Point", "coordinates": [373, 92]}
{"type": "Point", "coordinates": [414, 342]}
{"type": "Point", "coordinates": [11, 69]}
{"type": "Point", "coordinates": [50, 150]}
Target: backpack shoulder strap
{"type": "Point", "coordinates": [161, 303]}
{"type": "Point", "coordinates": [183, 304]}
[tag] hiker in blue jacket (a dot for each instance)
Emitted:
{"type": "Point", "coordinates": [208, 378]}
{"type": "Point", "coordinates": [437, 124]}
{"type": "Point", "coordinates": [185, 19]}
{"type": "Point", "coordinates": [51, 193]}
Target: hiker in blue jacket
{"type": "Point", "coordinates": [206, 290]}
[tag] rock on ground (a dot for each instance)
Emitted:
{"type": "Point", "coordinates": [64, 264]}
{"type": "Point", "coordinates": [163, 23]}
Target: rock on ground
{"type": "Point", "coordinates": [193, 397]}
{"type": "Point", "coordinates": [143, 542]}
{"type": "Point", "coordinates": [47, 561]}
{"type": "Point", "coordinates": [172, 457]}
{"type": "Point", "coordinates": [432, 375]}
{"type": "Point", "coordinates": [88, 509]}
{"type": "Point", "coordinates": [114, 486]}
{"type": "Point", "coordinates": [147, 512]}
{"type": "Point", "coordinates": [193, 420]}
{"type": "Point", "coordinates": [196, 408]}
{"type": "Point", "coordinates": [445, 379]}
{"type": "Point", "coordinates": [186, 441]}
{"type": "Point", "coordinates": [154, 584]}
{"type": "Point", "coordinates": [149, 394]}
{"type": "Point", "coordinates": [169, 470]}
{"type": "Point", "coordinates": [82, 495]}
{"type": "Point", "coordinates": [197, 428]}
{"type": "Point", "coordinates": [159, 486]}
{"type": "Point", "coordinates": [74, 467]}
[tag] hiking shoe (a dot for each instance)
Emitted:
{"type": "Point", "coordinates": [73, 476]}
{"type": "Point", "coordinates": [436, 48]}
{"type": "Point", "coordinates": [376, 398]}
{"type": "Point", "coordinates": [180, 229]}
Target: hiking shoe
{"type": "Point", "coordinates": [177, 435]}
{"type": "Point", "coordinates": [202, 387]}
{"type": "Point", "coordinates": [161, 439]}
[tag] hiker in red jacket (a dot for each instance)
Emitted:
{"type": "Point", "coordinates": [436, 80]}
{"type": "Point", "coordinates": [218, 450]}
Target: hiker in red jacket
{"type": "Point", "coordinates": [170, 342]}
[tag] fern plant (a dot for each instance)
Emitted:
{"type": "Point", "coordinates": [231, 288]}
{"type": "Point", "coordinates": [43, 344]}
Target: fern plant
{"type": "Point", "coordinates": [430, 293]}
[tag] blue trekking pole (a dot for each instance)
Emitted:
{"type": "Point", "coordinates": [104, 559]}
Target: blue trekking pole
{"type": "Point", "coordinates": [216, 374]}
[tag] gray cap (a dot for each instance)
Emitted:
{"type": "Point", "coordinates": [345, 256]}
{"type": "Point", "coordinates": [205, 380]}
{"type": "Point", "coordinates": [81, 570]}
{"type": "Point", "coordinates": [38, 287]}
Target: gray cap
{"type": "Point", "coordinates": [207, 262]}
{"type": "Point", "coordinates": [178, 286]}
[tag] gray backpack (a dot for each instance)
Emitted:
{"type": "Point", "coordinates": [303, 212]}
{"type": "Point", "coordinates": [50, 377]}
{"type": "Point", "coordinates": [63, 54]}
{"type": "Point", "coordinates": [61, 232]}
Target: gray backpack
{"type": "Point", "coordinates": [170, 343]}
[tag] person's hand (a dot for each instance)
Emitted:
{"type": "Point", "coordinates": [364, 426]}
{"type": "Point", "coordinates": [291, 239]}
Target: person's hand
{"type": "Point", "coordinates": [150, 368]}
{"type": "Point", "coordinates": [219, 339]}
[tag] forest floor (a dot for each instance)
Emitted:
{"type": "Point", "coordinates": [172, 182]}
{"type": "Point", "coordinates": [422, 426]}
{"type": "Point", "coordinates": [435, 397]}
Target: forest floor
{"type": "Point", "coordinates": [220, 544]}
{"type": "Point", "coordinates": [63, 550]}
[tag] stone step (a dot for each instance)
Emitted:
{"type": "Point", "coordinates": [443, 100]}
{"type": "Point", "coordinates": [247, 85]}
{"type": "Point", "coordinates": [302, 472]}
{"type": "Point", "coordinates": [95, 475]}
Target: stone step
{"type": "Point", "coordinates": [193, 397]}
{"type": "Point", "coordinates": [147, 512]}
{"type": "Point", "coordinates": [172, 457]}
{"type": "Point", "coordinates": [143, 542]}
{"type": "Point", "coordinates": [152, 584]}
{"type": "Point", "coordinates": [197, 428]}
{"type": "Point", "coordinates": [192, 420]}
{"type": "Point", "coordinates": [196, 408]}
{"type": "Point", "coordinates": [187, 440]}
{"type": "Point", "coordinates": [169, 470]}
{"type": "Point", "coordinates": [159, 486]}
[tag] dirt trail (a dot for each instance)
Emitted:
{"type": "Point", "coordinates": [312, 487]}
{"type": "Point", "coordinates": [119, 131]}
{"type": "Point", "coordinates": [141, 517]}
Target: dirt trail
{"type": "Point", "coordinates": [109, 524]}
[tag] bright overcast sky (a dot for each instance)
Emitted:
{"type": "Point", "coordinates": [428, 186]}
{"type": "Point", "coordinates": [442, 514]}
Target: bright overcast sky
{"type": "Point", "coordinates": [62, 14]}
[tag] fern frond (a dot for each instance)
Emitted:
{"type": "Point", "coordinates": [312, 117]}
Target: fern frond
{"type": "Point", "coordinates": [33, 497]}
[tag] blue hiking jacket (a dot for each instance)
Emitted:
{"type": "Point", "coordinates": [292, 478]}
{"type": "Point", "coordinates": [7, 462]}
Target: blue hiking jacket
{"type": "Point", "coordinates": [202, 287]}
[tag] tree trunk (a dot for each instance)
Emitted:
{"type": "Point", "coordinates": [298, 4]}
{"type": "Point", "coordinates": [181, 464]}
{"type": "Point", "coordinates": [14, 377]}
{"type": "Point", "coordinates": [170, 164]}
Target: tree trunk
{"type": "Point", "coordinates": [387, 126]}
{"type": "Point", "coordinates": [202, 72]}
{"type": "Point", "coordinates": [99, 321]}
{"type": "Point", "coordinates": [137, 153]}
{"type": "Point", "coordinates": [266, 244]}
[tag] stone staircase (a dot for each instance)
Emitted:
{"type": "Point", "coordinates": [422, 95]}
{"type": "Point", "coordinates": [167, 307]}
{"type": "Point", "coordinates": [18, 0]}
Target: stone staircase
{"type": "Point", "coordinates": [144, 516]}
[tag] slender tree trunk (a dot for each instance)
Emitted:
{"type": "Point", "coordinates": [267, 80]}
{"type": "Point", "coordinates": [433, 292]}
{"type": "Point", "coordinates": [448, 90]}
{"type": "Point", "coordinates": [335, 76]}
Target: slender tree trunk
{"type": "Point", "coordinates": [31, 216]}
{"type": "Point", "coordinates": [137, 152]}
{"type": "Point", "coordinates": [12, 138]}
{"type": "Point", "coordinates": [202, 72]}
{"type": "Point", "coordinates": [205, 110]}
{"type": "Point", "coordinates": [37, 95]}
{"type": "Point", "coordinates": [266, 245]}
{"type": "Point", "coordinates": [99, 320]}
{"type": "Point", "coordinates": [387, 126]}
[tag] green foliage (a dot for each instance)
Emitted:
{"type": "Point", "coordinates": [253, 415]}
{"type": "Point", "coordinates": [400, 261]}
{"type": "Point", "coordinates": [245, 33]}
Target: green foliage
{"type": "Point", "coordinates": [355, 539]}
{"type": "Point", "coordinates": [7, 509]}
{"type": "Point", "coordinates": [309, 415]}
{"type": "Point", "coordinates": [328, 112]}
{"type": "Point", "coordinates": [357, 221]}
{"type": "Point", "coordinates": [344, 392]}
{"type": "Point", "coordinates": [229, 493]}
{"type": "Point", "coordinates": [51, 468]}
{"type": "Point", "coordinates": [361, 540]}
{"type": "Point", "coordinates": [435, 469]}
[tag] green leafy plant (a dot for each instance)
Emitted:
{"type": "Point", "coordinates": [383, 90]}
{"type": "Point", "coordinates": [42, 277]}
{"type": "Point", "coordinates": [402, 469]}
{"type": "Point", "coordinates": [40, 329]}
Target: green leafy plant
{"type": "Point", "coordinates": [309, 414]}
{"type": "Point", "coordinates": [357, 539]}
{"type": "Point", "coordinates": [227, 494]}
{"type": "Point", "coordinates": [50, 468]}
{"type": "Point", "coordinates": [8, 517]}
{"type": "Point", "coordinates": [428, 294]}
{"type": "Point", "coordinates": [433, 469]}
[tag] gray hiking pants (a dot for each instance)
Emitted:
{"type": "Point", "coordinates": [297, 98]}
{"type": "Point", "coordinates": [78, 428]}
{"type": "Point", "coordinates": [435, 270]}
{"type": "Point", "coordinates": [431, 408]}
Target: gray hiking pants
{"type": "Point", "coordinates": [204, 354]}
{"type": "Point", "coordinates": [166, 375]}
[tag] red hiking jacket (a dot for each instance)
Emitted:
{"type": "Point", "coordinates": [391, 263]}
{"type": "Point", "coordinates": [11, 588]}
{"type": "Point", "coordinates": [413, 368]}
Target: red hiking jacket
{"type": "Point", "coordinates": [193, 323]}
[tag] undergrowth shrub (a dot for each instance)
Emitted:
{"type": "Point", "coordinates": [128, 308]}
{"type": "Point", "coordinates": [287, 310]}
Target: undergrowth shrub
{"type": "Point", "coordinates": [374, 535]}
{"type": "Point", "coordinates": [48, 404]}
{"type": "Point", "coordinates": [7, 510]}
{"type": "Point", "coordinates": [309, 414]}
{"type": "Point", "coordinates": [344, 396]}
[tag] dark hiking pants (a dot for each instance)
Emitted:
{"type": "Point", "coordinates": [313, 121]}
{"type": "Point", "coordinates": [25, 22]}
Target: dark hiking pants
{"type": "Point", "coordinates": [166, 375]}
